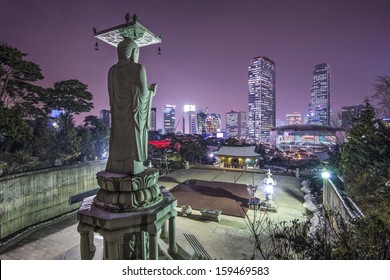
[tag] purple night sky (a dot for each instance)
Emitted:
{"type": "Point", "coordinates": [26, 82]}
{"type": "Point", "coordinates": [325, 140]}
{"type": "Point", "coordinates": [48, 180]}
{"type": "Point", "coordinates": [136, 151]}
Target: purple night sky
{"type": "Point", "coordinates": [207, 47]}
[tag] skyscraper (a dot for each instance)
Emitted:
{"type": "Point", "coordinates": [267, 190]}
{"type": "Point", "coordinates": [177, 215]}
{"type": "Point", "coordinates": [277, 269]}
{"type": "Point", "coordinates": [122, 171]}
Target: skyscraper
{"type": "Point", "coordinates": [261, 99]}
{"type": "Point", "coordinates": [189, 120]}
{"type": "Point", "coordinates": [319, 107]}
{"type": "Point", "coordinates": [213, 123]}
{"type": "Point", "coordinates": [169, 118]}
{"type": "Point", "coordinates": [153, 121]}
{"type": "Point", "coordinates": [201, 118]}
{"type": "Point", "coordinates": [236, 124]}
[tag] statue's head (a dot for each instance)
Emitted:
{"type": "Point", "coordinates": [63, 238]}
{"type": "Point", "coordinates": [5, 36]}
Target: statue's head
{"type": "Point", "coordinates": [128, 49]}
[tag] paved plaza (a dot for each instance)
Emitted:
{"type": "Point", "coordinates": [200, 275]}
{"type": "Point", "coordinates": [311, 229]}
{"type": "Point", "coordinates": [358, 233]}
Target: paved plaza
{"type": "Point", "coordinates": [227, 240]}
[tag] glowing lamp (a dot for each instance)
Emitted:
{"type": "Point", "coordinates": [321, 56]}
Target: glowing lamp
{"type": "Point", "coordinates": [325, 175]}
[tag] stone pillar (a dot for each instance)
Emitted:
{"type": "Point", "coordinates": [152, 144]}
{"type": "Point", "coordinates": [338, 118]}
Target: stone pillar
{"type": "Point", "coordinates": [87, 246]}
{"type": "Point", "coordinates": [153, 245]}
{"type": "Point", "coordinates": [111, 250]}
{"type": "Point", "coordinates": [172, 249]}
{"type": "Point", "coordinates": [164, 230]}
{"type": "Point", "coordinates": [111, 244]}
{"type": "Point", "coordinates": [144, 246]}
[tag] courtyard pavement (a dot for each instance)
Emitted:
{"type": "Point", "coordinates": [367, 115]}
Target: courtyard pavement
{"type": "Point", "coordinates": [229, 239]}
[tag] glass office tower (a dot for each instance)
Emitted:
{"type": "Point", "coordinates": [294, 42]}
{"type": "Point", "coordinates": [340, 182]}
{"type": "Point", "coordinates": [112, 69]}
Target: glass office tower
{"type": "Point", "coordinates": [319, 107]}
{"type": "Point", "coordinates": [261, 99]}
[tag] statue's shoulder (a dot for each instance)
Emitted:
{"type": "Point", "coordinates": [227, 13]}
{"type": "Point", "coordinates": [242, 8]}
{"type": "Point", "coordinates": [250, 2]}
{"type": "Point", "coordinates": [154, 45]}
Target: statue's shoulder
{"type": "Point", "coordinates": [138, 65]}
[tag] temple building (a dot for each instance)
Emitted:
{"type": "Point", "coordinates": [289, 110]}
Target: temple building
{"type": "Point", "coordinates": [237, 157]}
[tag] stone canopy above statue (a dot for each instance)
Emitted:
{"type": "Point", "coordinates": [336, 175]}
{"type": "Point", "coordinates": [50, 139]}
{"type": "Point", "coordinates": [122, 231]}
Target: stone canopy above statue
{"type": "Point", "coordinates": [133, 30]}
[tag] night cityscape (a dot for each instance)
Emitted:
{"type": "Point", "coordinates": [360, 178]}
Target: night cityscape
{"type": "Point", "coordinates": [195, 130]}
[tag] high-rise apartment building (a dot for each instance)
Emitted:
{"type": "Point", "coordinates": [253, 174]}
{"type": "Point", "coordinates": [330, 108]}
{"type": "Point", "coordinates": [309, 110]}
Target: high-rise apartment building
{"type": "Point", "coordinates": [153, 119]}
{"type": "Point", "coordinates": [350, 113]}
{"type": "Point", "coordinates": [169, 118]}
{"type": "Point", "coordinates": [261, 99]}
{"type": "Point", "coordinates": [236, 124]}
{"type": "Point", "coordinates": [105, 117]}
{"type": "Point", "coordinates": [201, 119]}
{"type": "Point", "coordinates": [213, 123]}
{"type": "Point", "coordinates": [319, 107]}
{"type": "Point", "coordinates": [189, 120]}
{"type": "Point", "coordinates": [294, 118]}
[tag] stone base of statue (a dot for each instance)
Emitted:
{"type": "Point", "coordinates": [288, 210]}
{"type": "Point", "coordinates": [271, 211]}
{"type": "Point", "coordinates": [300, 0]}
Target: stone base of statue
{"type": "Point", "coordinates": [120, 192]}
{"type": "Point", "coordinates": [128, 211]}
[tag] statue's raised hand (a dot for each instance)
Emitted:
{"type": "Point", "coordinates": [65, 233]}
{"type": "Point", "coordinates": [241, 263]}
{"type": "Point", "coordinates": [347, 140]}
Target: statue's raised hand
{"type": "Point", "coordinates": [153, 89]}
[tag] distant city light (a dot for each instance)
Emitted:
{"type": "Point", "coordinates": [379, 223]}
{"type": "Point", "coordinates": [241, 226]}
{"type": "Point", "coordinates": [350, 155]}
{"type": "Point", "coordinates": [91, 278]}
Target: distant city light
{"type": "Point", "coordinates": [189, 108]}
{"type": "Point", "coordinates": [56, 113]}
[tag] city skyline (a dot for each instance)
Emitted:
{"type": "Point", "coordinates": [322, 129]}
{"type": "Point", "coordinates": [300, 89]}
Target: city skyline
{"type": "Point", "coordinates": [207, 46]}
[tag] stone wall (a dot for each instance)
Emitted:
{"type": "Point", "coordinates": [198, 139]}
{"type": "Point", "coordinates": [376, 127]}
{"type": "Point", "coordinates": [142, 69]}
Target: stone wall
{"type": "Point", "coordinates": [32, 197]}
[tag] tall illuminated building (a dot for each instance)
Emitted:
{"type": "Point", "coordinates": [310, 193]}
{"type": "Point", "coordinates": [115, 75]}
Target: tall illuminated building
{"type": "Point", "coordinates": [189, 120]}
{"type": "Point", "coordinates": [261, 99]}
{"type": "Point", "coordinates": [201, 120]}
{"type": "Point", "coordinates": [319, 107]}
{"type": "Point", "coordinates": [213, 123]}
{"type": "Point", "coordinates": [169, 118]}
{"type": "Point", "coordinates": [236, 124]}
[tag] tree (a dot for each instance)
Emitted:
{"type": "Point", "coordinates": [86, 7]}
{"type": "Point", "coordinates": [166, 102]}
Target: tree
{"type": "Point", "coordinates": [71, 96]}
{"type": "Point", "coordinates": [193, 149]}
{"type": "Point", "coordinates": [43, 142]}
{"type": "Point", "coordinates": [335, 160]}
{"type": "Point", "coordinates": [100, 134]}
{"type": "Point", "coordinates": [17, 77]}
{"type": "Point", "coordinates": [382, 94]}
{"type": "Point", "coordinates": [67, 143]}
{"type": "Point", "coordinates": [361, 239]}
{"type": "Point", "coordinates": [87, 144]}
{"type": "Point", "coordinates": [15, 132]}
{"type": "Point", "coordinates": [366, 162]}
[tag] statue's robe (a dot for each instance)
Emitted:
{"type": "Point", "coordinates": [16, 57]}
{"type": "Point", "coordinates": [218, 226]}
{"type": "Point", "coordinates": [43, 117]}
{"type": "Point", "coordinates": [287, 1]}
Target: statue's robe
{"type": "Point", "coordinates": [130, 102]}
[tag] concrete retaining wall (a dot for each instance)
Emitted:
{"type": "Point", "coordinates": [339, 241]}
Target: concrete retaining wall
{"type": "Point", "coordinates": [32, 197]}
{"type": "Point", "coordinates": [335, 204]}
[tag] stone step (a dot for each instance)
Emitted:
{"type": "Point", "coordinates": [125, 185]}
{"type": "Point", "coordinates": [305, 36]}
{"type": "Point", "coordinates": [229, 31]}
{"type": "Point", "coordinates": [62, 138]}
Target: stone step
{"type": "Point", "coordinates": [198, 248]}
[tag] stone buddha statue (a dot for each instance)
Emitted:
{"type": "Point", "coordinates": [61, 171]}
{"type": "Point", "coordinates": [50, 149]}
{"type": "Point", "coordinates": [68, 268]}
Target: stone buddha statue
{"type": "Point", "coordinates": [130, 104]}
